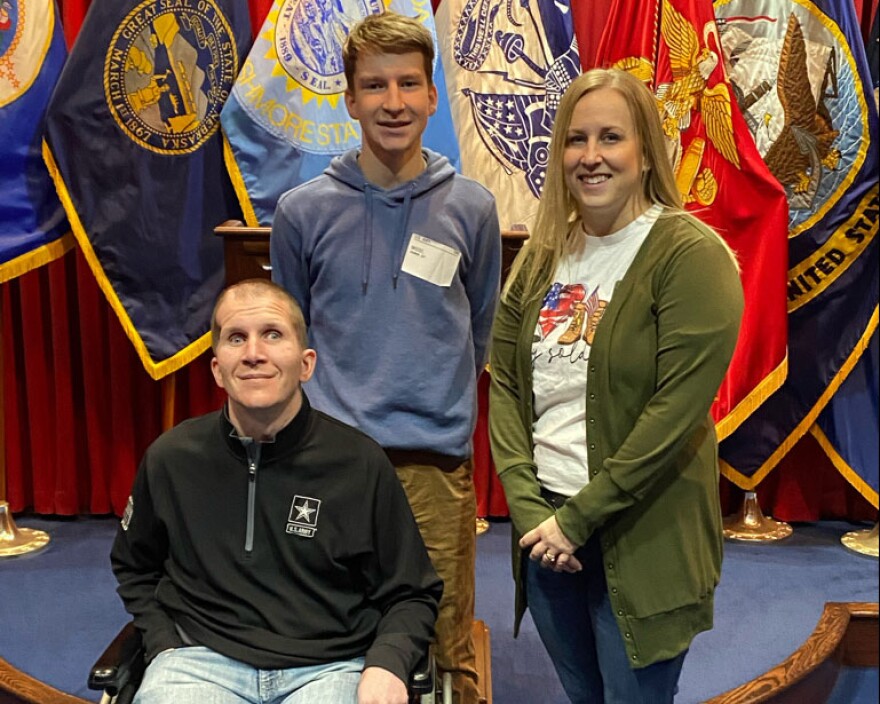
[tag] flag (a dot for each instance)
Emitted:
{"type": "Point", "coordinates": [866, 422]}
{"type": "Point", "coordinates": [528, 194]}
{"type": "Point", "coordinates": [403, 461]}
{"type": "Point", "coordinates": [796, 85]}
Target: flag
{"type": "Point", "coordinates": [674, 46]}
{"type": "Point", "coordinates": [286, 118]}
{"type": "Point", "coordinates": [32, 224]}
{"type": "Point", "coordinates": [133, 143]}
{"type": "Point", "coordinates": [507, 66]}
{"type": "Point", "coordinates": [801, 76]}
{"type": "Point", "coordinates": [848, 428]}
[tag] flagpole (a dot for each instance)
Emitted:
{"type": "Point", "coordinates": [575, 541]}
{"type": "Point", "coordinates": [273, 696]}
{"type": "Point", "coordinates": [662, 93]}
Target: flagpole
{"type": "Point", "coordinates": [752, 526]}
{"type": "Point", "coordinates": [13, 540]}
{"type": "Point", "coordinates": [169, 394]}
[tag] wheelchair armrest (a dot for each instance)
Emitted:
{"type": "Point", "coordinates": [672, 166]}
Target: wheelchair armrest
{"type": "Point", "coordinates": [421, 679]}
{"type": "Point", "coordinates": [121, 662]}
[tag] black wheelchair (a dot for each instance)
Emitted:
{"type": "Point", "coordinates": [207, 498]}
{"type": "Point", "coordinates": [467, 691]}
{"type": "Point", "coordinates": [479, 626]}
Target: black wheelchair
{"type": "Point", "coordinates": [118, 672]}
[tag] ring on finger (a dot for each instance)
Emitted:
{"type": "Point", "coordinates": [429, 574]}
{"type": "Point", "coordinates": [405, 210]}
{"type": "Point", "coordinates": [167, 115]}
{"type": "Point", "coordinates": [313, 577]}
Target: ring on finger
{"type": "Point", "coordinates": [549, 556]}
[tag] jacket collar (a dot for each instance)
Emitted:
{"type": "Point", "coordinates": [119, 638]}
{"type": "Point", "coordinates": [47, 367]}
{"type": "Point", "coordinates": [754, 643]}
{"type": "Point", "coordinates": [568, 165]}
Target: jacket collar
{"type": "Point", "coordinates": [286, 441]}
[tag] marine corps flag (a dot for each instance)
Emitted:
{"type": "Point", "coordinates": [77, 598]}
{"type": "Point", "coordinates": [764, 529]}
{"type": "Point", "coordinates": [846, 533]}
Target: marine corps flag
{"type": "Point", "coordinates": [133, 142]}
{"type": "Point", "coordinates": [802, 79]}
{"type": "Point", "coordinates": [507, 65]}
{"type": "Point", "coordinates": [286, 118]}
{"type": "Point", "coordinates": [32, 52]}
{"type": "Point", "coordinates": [674, 46]}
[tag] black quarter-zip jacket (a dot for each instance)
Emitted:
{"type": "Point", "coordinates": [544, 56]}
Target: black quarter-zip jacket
{"type": "Point", "coordinates": [283, 554]}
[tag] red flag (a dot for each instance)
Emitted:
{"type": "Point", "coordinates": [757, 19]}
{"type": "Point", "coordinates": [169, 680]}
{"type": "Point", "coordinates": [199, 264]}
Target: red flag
{"type": "Point", "coordinates": [674, 47]}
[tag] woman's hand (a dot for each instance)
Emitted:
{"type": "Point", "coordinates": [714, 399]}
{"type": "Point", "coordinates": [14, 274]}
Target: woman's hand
{"type": "Point", "coordinates": [550, 548]}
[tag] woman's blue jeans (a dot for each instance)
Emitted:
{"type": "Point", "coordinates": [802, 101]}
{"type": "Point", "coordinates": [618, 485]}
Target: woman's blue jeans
{"type": "Point", "coordinates": [573, 615]}
{"type": "Point", "coordinates": [198, 675]}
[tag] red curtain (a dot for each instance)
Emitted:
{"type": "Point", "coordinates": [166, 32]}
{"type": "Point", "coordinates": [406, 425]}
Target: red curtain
{"type": "Point", "coordinates": [79, 409]}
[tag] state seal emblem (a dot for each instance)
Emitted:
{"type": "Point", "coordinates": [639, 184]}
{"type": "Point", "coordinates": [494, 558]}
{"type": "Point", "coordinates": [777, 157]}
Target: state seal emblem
{"type": "Point", "coordinates": [309, 36]}
{"type": "Point", "coordinates": [25, 36]}
{"type": "Point", "coordinates": [168, 70]}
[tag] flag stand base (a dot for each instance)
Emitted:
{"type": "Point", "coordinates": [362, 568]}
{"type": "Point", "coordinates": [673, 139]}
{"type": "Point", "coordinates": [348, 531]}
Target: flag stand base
{"type": "Point", "coordinates": [18, 541]}
{"type": "Point", "coordinates": [863, 542]}
{"type": "Point", "coordinates": [751, 525]}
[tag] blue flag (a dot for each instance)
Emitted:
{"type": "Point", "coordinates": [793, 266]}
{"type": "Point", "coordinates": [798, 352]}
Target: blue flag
{"type": "Point", "coordinates": [32, 52]}
{"type": "Point", "coordinates": [133, 142]}
{"type": "Point", "coordinates": [801, 77]}
{"type": "Point", "coordinates": [286, 118]}
{"type": "Point", "coordinates": [849, 427]}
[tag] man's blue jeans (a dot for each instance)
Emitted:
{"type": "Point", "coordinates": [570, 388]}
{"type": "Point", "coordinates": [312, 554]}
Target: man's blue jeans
{"type": "Point", "coordinates": [573, 616]}
{"type": "Point", "coordinates": [198, 675]}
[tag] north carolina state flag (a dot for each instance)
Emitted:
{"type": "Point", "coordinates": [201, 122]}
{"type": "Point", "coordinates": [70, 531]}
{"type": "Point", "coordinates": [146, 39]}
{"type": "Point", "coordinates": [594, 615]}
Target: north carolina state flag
{"type": "Point", "coordinates": [673, 45]}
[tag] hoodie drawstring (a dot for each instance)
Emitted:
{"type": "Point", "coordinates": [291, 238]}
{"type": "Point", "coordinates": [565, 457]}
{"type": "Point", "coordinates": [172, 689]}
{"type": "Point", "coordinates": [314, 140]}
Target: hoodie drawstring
{"type": "Point", "coordinates": [400, 239]}
{"type": "Point", "coordinates": [368, 238]}
{"type": "Point", "coordinates": [401, 236]}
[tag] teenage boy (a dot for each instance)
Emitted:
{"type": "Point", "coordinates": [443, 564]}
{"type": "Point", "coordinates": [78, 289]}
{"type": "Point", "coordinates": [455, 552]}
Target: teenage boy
{"type": "Point", "coordinates": [395, 260]}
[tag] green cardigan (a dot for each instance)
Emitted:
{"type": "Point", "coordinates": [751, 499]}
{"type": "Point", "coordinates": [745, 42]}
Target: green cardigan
{"type": "Point", "coordinates": [658, 357]}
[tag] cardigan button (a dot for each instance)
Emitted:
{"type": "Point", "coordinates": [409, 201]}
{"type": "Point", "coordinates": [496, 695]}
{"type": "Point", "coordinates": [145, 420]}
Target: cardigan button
{"type": "Point", "coordinates": [620, 612]}
{"type": "Point", "coordinates": [592, 421]}
{"type": "Point", "coordinates": [592, 446]}
{"type": "Point", "coordinates": [614, 591]}
{"type": "Point", "coordinates": [628, 635]}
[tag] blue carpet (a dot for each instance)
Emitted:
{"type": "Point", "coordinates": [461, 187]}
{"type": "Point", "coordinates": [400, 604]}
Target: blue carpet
{"type": "Point", "coordinates": [58, 609]}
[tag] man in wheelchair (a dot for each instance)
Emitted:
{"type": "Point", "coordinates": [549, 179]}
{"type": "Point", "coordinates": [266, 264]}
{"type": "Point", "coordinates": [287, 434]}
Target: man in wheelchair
{"type": "Point", "coordinates": [268, 552]}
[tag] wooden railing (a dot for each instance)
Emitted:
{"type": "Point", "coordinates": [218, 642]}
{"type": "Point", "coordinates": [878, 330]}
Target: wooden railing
{"type": "Point", "coordinates": [846, 636]}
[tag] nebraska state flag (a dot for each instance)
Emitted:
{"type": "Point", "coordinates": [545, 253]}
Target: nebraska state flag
{"type": "Point", "coordinates": [133, 141]}
{"type": "Point", "coordinates": [673, 45]}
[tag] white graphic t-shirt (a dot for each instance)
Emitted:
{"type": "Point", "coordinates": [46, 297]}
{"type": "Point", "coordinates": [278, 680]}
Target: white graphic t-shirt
{"type": "Point", "coordinates": [571, 311]}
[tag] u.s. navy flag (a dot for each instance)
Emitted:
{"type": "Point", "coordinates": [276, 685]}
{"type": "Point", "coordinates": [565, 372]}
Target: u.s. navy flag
{"type": "Point", "coordinates": [286, 118]}
{"type": "Point", "coordinates": [674, 46]}
{"type": "Point", "coordinates": [32, 223]}
{"type": "Point", "coordinates": [133, 141]}
{"type": "Point", "coordinates": [507, 66]}
{"type": "Point", "coordinates": [801, 76]}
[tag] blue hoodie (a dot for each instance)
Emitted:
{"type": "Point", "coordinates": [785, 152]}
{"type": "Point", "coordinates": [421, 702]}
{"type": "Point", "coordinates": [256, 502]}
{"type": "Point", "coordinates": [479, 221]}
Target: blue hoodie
{"type": "Point", "coordinates": [398, 356]}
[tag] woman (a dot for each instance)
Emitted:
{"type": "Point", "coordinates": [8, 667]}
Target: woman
{"type": "Point", "coordinates": [616, 327]}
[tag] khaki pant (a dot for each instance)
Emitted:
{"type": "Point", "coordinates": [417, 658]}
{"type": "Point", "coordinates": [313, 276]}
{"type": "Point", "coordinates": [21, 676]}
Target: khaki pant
{"type": "Point", "coordinates": [444, 504]}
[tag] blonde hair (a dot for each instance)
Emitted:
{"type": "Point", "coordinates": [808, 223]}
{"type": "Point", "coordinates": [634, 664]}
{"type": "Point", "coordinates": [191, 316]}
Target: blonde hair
{"type": "Point", "coordinates": [556, 224]}
{"type": "Point", "coordinates": [256, 288]}
{"type": "Point", "coordinates": [387, 33]}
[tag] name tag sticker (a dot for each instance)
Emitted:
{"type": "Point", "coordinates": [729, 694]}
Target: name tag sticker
{"type": "Point", "coordinates": [430, 261]}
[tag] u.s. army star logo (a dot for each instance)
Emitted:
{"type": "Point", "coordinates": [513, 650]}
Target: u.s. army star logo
{"type": "Point", "coordinates": [169, 69]}
{"type": "Point", "coordinates": [303, 518]}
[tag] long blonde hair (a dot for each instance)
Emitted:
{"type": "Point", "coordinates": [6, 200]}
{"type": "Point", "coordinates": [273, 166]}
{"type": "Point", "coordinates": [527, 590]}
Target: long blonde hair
{"type": "Point", "coordinates": [558, 217]}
